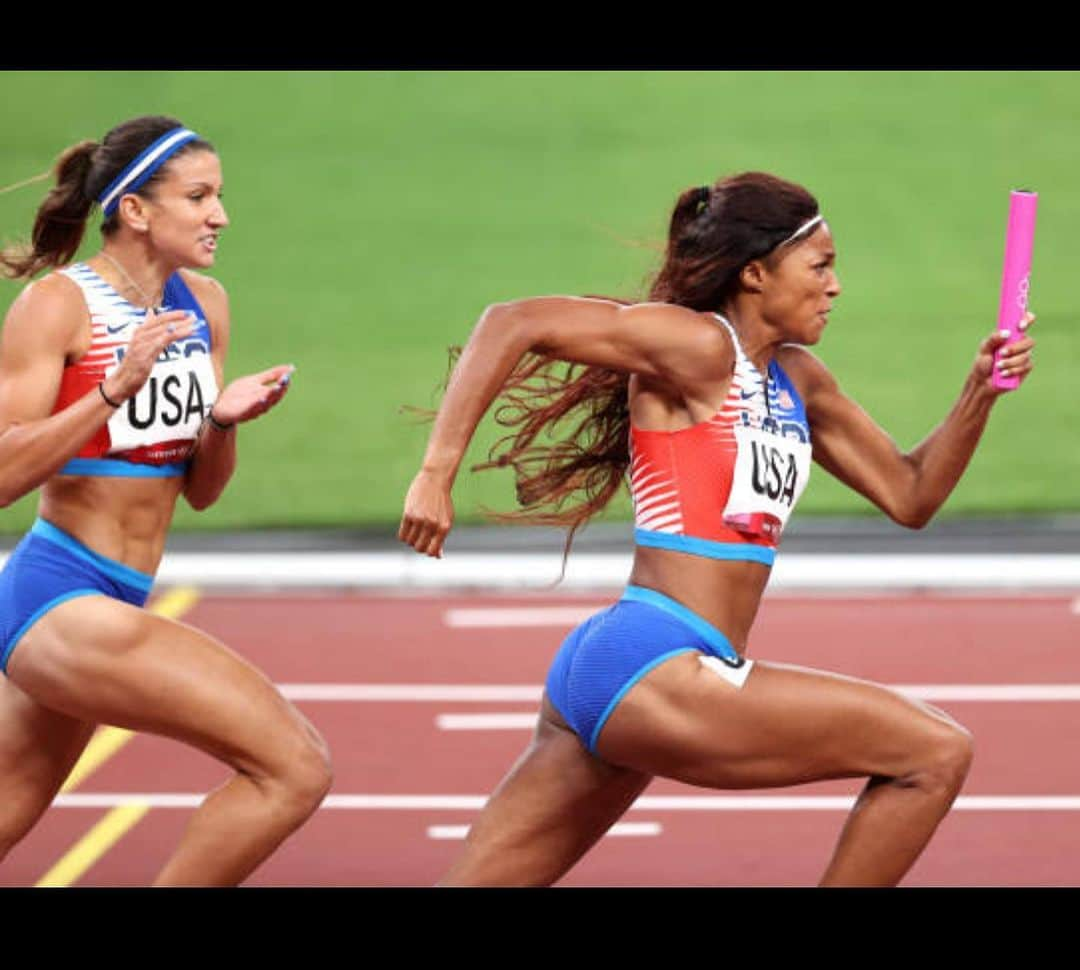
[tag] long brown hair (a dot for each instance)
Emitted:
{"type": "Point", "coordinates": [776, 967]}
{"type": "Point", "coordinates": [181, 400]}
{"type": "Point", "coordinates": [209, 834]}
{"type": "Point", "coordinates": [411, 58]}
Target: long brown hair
{"type": "Point", "coordinates": [82, 172]}
{"type": "Point", "coordinates": [713, 233]}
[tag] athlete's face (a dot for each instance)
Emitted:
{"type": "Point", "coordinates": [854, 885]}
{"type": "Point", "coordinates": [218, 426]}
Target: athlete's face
{"type": "Point", "coordinates": [799, 289]}
{"type": "Point", "coordinates": [184, 215]}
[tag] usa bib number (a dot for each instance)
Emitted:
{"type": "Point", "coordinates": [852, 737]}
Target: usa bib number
{"type": "Point", "coordinates": [771, 472]}
{"type": "Point", "coordinates": [169, 407]}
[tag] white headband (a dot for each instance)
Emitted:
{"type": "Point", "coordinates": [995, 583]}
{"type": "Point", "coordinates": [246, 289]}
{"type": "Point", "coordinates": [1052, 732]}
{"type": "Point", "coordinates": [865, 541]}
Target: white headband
{"type": "Point", "coordinates": [809, 224]}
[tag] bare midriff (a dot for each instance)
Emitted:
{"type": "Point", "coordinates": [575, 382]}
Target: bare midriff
{"type": "Point", "coordinates": [725, 592]}
{"type": "Point", "coordinates": [124, 519]}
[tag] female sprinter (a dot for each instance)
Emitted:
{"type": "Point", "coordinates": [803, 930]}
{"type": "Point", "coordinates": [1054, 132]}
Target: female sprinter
{"type": "Point", "coordinates": [110, 371]}
{"type": "Point", "coordinates": [707, 398]}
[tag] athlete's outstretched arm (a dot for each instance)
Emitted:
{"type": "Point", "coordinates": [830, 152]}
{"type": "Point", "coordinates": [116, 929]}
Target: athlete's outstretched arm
{"type": "Point", "coordinates": [908, 487]}
{"type": "Point", "coordinates": [214, 459]}
{"type": "Point", "coordinates": [667, 343]}
{"type": "Point", "coordinates": [41, 329]}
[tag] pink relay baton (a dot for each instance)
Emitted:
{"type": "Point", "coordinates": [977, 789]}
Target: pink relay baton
{"type": "Point", "coordinates": [1016, 274]}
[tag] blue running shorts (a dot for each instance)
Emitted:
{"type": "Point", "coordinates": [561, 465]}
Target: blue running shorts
{"type": "Point", "coordinates": [49, 567]}
{"type": "Point", "coordinates": [611, 651]}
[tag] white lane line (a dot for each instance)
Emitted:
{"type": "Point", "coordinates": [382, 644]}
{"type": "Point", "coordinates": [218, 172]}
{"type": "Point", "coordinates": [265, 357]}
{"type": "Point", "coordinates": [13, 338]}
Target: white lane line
{"type": "Point", "coordinates": [650, 803]}
{"type": "Point", "coordinates": [466, 693]}
{"type": "Point", "coordinates": [992, 692]}
{"type": "Point", "coordinates": [447, 831]}
{"type": "Point", "coordinates": [540, 616]}
{"type": "Point", "coordinates": [604, 571]}
{"type": "Point", "coordinates": [635, 829]}
{"type": "Point", "coordinates": [500, 616]}
{"type": "Point", "coordinates": [411, 692]}
{"type": "Point", "coordinates": [619, 829]}
{"type": "Point", "coordinates": [485, 722]}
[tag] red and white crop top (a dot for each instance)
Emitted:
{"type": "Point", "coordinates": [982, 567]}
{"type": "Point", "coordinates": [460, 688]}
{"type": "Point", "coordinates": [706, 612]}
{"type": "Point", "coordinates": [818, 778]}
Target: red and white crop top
{"type": "Point", "coordinates": [724, 488]}
{"type": "Point", "coordinates": [152, 433]}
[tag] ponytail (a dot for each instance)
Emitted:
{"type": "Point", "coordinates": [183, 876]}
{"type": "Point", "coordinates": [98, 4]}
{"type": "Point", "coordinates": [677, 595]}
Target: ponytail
{"type": "Point", "coordinates": [61, 219]}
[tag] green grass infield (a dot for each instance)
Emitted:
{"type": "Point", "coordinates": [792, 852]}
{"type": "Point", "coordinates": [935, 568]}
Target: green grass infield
{"type": "Point", "coordinates": [375, 214]}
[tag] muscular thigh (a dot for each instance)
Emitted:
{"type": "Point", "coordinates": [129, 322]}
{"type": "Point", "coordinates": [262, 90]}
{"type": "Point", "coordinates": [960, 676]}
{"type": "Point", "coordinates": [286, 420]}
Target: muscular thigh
{"type": "Point", "coordinates": [786, 725]}
{"type": "Point", "coordinates": [102, 661]}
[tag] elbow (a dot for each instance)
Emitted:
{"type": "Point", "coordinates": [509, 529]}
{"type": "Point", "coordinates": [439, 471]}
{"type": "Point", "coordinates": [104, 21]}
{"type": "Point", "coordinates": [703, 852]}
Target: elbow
{"type": "Point", "coordinates": [502, 317]}
{"type": "Point", "coordinates": [497, 314]}
{"type": "Point", "coordinates": [511, 325]}
{"type": "Point", "coordinates": [495, 319]}
{"type": "Point", "coordinates": [912, 522]}
{"type": "Point", "coordinates": [506, 309]}
{"type": "Point", "coordinates": [199, 500]}
{"type": "Point", "coordinates": [207, 479]}
{"type": "Point", "coordinates": [911, 503]}
{"type": "Point", "coordinates": [913, 516]}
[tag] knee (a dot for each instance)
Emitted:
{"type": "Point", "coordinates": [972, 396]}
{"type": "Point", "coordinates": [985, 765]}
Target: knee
{"type": "Point", "coordinates": [307, 775]}
{"type": "Point", "coordinates": [314, 770]}
{"type": "Point", "coordinates": [945, 758]}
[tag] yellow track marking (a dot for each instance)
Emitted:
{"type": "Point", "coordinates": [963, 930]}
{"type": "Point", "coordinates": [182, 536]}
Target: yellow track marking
{"type": "Point", "coordinates": [175, 602]}
{"type": "Point", "coordinates": [103, 745]}
{"type": "Point", "coordinates": [92, 846]}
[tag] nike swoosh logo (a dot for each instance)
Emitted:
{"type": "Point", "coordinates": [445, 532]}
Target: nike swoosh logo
{"type": "Point", "coordinates": [116, 329]}
{"type": "Point", "coordinates": [747, 394]}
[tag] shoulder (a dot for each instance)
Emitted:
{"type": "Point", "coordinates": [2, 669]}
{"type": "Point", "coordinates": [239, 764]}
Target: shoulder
{"type": "Point", "coordinates": [806, 370]}
{"type": "Point", "coordinates": [50, 310]}
{"type": "Point", "coordinates": [214, 301]}
{"type": "Point", "coordinates": [208, 291]}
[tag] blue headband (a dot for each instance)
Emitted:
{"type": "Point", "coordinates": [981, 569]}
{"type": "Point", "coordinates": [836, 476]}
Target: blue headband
{"type": "Point", "coordinates": [138, 172]}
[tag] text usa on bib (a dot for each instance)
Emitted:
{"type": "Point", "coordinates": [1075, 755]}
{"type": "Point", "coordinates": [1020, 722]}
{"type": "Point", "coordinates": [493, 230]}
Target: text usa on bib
{"type": "Point", "coordinates": [169, 406]}
{"type": "Point", "coordinates": [770, 474]}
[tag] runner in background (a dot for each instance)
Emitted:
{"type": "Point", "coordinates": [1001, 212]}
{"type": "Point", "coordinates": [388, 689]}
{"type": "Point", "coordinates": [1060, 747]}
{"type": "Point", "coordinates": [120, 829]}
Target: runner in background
{"type": "Point", "coordinates": [113, 402]}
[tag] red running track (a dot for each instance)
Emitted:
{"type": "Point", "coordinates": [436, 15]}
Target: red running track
{"type": "Point", "coordinates": [1024, 749]}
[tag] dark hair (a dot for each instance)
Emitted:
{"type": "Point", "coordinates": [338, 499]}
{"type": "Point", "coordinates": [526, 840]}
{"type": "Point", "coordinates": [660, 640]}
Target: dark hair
{"type": "Point", "coordinates": [716, 231]}
{"type": "Point", "coordinates": [713, 233]}
{"type": "Point", "coordinates": [83, 171]}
